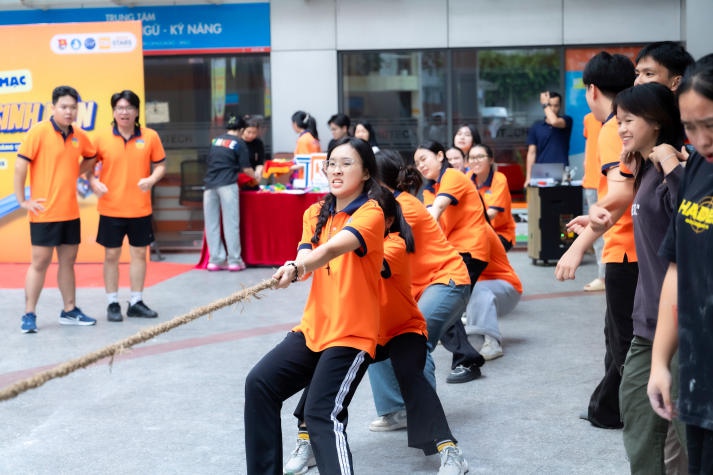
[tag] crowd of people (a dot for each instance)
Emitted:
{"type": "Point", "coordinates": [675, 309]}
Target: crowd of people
{"type": "Point", "coordinates": [443, 265]}
{"type": "Point", "coordinates": [650, 209]}
{"type": "Point", "coordinates": [404, 252]}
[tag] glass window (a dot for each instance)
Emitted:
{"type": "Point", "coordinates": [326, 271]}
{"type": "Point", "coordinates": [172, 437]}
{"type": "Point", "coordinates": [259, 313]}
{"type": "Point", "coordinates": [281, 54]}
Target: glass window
{"type": "Point", "coordinates": [395, 91]}
{"type": "Point", "coordinates": [508, 98]}
{"type": "Point", "coordinates": [188, 99]}
{"type": "Point", "coordinates": [410, 96]}
{"type": "Point", "coordinates": [199, 92]}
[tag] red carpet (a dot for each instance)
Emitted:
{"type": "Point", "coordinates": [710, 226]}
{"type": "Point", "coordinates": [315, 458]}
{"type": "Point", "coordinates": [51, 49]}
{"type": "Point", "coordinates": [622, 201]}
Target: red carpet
{"type": "Point", "coordinates": [12, 276]}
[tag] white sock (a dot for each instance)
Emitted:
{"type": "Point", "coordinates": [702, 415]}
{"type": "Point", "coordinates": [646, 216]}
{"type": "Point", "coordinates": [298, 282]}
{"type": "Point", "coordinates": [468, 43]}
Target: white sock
{"type": "Point", "coordinates": [135, 297]}
{"type": "Point", "coordinates": [112, 297]}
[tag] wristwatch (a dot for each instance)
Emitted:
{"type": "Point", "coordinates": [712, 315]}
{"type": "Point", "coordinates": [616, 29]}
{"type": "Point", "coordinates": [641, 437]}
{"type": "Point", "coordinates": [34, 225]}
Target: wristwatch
{"type": "Point", "coordinates": [544, 106]}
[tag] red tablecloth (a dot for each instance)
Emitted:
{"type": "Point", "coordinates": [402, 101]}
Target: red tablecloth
{"type": "Point", "coordinates": [270, 226]}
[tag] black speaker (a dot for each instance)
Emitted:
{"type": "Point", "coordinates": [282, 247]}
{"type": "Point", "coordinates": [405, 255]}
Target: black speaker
{"type": "Point", "coordinates": [549, 209]}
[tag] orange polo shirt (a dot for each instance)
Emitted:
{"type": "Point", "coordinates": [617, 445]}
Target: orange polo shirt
{"type": "Point", "coordinates": [342, 308]}
{"type": "Point", "coordinates": [592, 168]}
{"type": "Point", "coordinates": [496, 195]}
{"type": "Point", "coordinates": [306, 143]}
{"type": "Point", "coordinates": [435, 261]}
{"type": "Point", "coordinates": [54, 169]}
{"type": "Point", "coordinates": [619, 240]}
{"type": "Point", "coordinates": [123, 164]}
{"type": "Point", "coordinates": [499, 267]}
{"type": "Point", "coordinates": [463, 221]}
{"type": "Point", "coordinates": [399, 311]}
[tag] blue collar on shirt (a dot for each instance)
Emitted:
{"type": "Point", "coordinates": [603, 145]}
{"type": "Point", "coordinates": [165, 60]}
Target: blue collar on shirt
{"type": "Point", "coordinates": [430, 184]}
{"type": "Point", "coordinates": [70, 129]}
{"type": "Point", "coordinates": [137, 133]}
{"type": "Point", "coordinates": [353, 206]}
{"type": "Point", "coordinates": [488, 181]}
{"type": "Point", "coordinates": [607, 119]}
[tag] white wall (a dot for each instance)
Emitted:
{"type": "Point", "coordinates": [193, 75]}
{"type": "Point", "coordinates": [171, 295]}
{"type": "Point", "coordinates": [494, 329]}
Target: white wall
{"type": "Point", "coordinates": [698, 27]}
{"type": "Point", "coordinates": [306, 35]}
{"type": "Point", "coordinates": [303, 67]}
{"type": "Point", "coordinates": [505, 23]}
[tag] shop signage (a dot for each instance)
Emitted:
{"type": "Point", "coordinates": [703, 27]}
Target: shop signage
{"type": "Point", "coordinates": [170, 30]}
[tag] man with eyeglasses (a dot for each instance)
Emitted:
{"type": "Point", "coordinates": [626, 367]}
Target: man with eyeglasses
{"type": "Point", "coordinates": [131, 161]}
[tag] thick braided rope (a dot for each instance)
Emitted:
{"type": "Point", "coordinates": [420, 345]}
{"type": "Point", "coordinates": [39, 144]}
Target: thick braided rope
{"type": "Point", "coordinates": [146, 334]}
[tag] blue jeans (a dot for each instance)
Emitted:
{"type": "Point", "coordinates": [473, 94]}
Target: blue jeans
{"type": "Point", "coordinates": [221, 204]}
{"type": "Point", "coordinates": [441, 305]}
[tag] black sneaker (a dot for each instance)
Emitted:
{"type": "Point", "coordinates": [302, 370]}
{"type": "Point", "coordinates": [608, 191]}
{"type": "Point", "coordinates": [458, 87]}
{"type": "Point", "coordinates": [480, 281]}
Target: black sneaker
{"type": "Point", "coordinates": [113, 312]}
{"type": "Point", "coordinates": [139, 309]}
{"type": "Point", "coordinates": [463, 374]}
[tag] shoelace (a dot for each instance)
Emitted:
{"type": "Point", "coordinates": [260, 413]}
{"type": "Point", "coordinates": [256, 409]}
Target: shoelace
{"type": "Point", "coordinates": [302, 447]}
{"type": "Point", "coordinates": [450, 456]}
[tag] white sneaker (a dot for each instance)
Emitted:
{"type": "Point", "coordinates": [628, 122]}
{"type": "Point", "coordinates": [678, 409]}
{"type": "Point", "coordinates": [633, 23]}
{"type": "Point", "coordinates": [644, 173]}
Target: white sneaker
{"type": "Point", "coordinates": [452, 462]}
{"type": "Point", "coordinates": [301, 459]}
{"type": "Point", "coordinates": [491, 349]}
{"type": "Point", "coordinates": [394, 421]}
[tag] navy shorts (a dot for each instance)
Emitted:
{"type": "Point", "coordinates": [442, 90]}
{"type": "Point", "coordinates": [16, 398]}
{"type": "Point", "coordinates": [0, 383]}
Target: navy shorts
{"type": "Point", "coordinates": [55, 233]}
{"type": "Point", "coordinates": [112, 231]}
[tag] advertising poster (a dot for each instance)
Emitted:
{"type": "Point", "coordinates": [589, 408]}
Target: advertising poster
{"type": "Point", "coordinates": [576, 102]}
{"type": "Point", "coordinates": [97, 59]}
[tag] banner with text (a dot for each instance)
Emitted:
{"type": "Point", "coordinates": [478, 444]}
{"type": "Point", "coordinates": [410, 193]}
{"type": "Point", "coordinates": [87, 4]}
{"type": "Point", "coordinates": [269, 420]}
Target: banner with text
{"type": "Point", "coordinates": [176, 29]}
{"type": "Point", "coordinates": [97, 59]}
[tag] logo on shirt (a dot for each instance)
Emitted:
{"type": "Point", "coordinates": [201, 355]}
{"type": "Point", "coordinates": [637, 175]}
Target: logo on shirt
{"type": "Point", "coordinates": [75, 142]}
{"type": "Point", "coordinates": [635, 209]}
{"type": "Point", "coordinates": [140, 144]}
{"type": "Point", "coordinates": [698, 215]}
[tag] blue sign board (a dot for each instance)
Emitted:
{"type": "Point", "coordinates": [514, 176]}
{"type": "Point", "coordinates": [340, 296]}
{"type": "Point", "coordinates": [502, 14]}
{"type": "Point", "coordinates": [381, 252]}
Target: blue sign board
{"type": "Point", "coordinates": [228, 28]}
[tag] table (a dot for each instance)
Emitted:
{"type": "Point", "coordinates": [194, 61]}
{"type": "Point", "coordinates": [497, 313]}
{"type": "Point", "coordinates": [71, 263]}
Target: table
{"type": "Point", "coordinates": [270, 226]}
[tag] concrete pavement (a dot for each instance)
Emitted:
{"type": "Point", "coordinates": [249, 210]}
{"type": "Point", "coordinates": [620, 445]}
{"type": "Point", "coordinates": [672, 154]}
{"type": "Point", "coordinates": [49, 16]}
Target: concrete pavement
{"type": "Point", "coordinates": [174, 405]}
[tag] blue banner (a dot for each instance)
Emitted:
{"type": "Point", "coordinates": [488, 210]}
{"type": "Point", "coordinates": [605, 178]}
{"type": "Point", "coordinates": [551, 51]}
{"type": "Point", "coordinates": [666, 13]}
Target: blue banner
{"type": "Point", "coordinates": [231, 28]}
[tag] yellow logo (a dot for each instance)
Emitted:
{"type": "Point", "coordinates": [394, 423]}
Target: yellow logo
{"type": "Point", "coordinates": [698, 215]}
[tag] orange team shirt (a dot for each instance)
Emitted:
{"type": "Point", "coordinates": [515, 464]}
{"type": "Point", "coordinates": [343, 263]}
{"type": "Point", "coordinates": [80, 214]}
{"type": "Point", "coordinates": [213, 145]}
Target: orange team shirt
{"type": "Point", "coordinates": [592, 170]}
{"type": "Point", "coordinates": [496, 194]}
{"type": "Point", "coordinates": [306, 143]}
{"type": "Point", "coordinates": [123, 164]}
{"type": "Point", "coordinates": [435, 261]}
{"type": "Point", "coordinates": [619, 240]}
{"type": "Point", "coordinates": [499, 267]}
{"type": "Point", "coordinates": [54, 169]}
{"type": "Point", "coordinates": [399, 311]}
{"type": "Point", "coordinates": [463, 221]}
{"type": "Point", "coordinates": [342, 308]}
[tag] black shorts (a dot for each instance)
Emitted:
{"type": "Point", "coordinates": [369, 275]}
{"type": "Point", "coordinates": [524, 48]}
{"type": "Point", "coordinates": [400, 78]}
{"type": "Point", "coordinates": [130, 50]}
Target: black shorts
{"type": "Point", "coordinates": [55, 233]}
{"type": "Point", "coordinates": [112, 231]}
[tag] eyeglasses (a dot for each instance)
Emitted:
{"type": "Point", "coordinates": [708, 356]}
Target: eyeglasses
{"type": "Point", "coordinates": [332, 165]}
{"type": "Point", "coordinates": [125, 109]}
{"type": "Point", "coordinates": [477, 158]}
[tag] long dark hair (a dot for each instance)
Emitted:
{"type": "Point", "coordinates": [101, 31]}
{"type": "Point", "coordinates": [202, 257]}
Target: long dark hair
{"type": "Point", "coordinates": [473, 132]}
{"type": "Point", "coordinates": [369, 128]}
{"type": "Point", "coordinates": [306, 122]}
{"type": "Point", "coordinates": [435, 147]}
{"type": "Point", "coordinates": [393, 172]}
{"type": "Point", "coordinates": [392, 209]}
{"type": "Point", "coordinates": [371, 186]}
{"type": "Point", "coordinates": [656, 104]}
